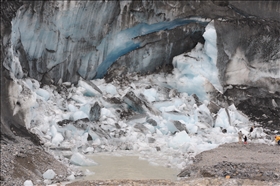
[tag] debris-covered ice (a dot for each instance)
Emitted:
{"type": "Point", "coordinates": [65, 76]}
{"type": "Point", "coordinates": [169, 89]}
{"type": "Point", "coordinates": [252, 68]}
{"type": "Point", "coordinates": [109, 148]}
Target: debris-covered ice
{"type": "Point", "coordinates": [165, 118]}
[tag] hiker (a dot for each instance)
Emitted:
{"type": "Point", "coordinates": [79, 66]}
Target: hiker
{"type": "Point", "coordinates": [251, 130]}
{"type": "Point", "coordinates": [245, 140]}
{"type": "Point", "coordinates": [240, 137]}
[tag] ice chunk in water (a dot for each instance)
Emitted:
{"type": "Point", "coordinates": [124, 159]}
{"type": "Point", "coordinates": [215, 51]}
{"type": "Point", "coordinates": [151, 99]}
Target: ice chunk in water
{"type": "Point", "coordinates": [43, 93]}
{"type": "Point", "coordinates": [49, 174]}
{"type": "Point", "coordinates": [80, 160]}
{"type": "Point", "coordinates": [88, 172]}
{"type": "Point", "coordinates": [89, 149]}
{"type": "Point", "coordinates": [28, 183]}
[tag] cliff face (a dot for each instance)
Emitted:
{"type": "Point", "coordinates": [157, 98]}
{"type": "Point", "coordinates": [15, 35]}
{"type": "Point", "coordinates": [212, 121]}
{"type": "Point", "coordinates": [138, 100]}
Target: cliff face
{"type": "Point", "coordinates": [71, 39]}
{"type": "Point", "coordinates": [55, 40]}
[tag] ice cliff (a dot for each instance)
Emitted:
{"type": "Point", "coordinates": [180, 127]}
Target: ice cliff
{"type": "Point", "coordinates": [53, 40]}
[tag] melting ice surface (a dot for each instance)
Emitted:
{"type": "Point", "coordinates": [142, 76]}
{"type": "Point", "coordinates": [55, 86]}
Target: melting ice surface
{"type": "Point", "coordinates": [170, 129]}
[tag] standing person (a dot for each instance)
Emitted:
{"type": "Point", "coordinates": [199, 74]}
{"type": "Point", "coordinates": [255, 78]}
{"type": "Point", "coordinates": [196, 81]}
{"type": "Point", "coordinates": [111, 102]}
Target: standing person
{"type": "Point", "coordinates": [251, 130]}
{"type": "Point", "coordinates": [240, 136]}
{"type": "Point", "coordinates": [245, 140]}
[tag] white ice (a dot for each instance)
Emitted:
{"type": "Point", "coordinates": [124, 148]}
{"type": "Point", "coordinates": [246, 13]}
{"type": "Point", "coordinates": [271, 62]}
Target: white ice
{"type": "Point", "coordinates": [28, 183]}
{"type": "Point", "coordinates": [49, 174]}
{"type": "Point", "coordinates": [80, 160]}
{"type": "Point", "coordinates": [79, 115]}
{"type": "Point", "coordinates": [43, 93]}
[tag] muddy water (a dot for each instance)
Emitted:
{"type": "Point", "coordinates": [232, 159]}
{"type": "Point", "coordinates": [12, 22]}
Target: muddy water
{"type": "Point", "coordinates": [127, 167]}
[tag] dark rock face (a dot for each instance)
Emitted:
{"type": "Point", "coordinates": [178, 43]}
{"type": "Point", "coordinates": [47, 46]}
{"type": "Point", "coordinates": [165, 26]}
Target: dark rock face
{"type": "Point", "coordinates": [8, 12]}
{"type": "Point", "coordinates": [10, 126]}
{"type": "Point", "coordinates": [249, 68]}
{"type": "Point", "coordinates": [258, 103]}
{"type": "Point", "coordinates": [248, 53]}
{"type": "Point", "coordinates": [256, 9]}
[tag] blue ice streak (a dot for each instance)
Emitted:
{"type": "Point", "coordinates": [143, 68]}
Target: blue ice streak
{"type": "Point", "coordinates": [126, 43]}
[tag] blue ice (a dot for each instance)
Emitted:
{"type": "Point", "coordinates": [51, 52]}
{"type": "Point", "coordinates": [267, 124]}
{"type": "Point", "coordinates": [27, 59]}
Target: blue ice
{"type": "Point", "coordinates": [123, 43]}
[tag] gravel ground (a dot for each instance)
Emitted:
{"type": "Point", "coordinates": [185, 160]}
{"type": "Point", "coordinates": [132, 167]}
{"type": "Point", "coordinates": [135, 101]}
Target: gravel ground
{"type": "Point", "coordinates": [250, 164]}
{"type": "Point", "coordinates": [186, 182]}
{"type": "Point", "coordinates": [252, 161]}
{"type": "Point", "coordinates": [23, 160]}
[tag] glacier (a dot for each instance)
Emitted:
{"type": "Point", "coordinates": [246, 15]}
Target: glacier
{"type": "Point", "coordinates": [58, 42]}
{"type": "Point", "coordinates": [140, 132]}
{"type": "Point", "coordinates": [164, 81]}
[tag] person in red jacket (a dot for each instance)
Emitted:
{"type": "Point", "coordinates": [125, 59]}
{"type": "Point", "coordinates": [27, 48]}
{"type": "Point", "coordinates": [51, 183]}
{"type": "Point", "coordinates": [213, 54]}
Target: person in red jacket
{"type": "Point", "coordinates": [245, 140]}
